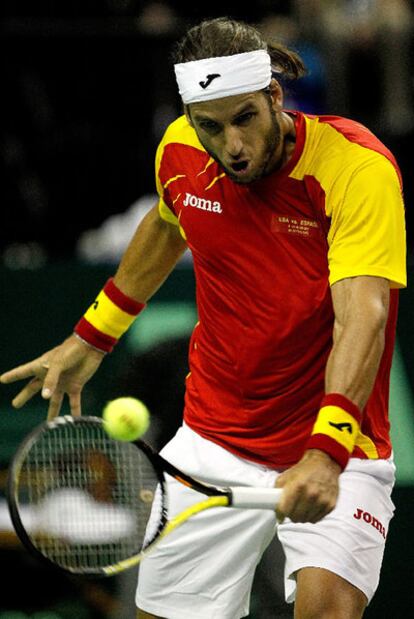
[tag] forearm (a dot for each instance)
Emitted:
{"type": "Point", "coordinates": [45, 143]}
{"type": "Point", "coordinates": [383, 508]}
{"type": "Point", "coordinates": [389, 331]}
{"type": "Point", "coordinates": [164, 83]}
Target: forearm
{"type": "Point", "coordinates": [355, 357]}
{"type": "Point", "coordinates": [361, 312]}
{"type": "Point", "coordinates": [150, 257]}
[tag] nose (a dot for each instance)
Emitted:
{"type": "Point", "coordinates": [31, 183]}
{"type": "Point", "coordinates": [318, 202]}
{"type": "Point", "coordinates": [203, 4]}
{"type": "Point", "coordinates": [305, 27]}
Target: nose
{"type": "Point", "coordinates": [233, 142]}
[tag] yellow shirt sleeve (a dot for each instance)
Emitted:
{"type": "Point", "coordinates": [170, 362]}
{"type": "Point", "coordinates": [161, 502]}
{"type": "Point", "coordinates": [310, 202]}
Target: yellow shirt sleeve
{"type": "Point", "coordinates": [180, 132]}
{"type": "Point", "coordinates": [166, 213]}
{"type": "Point", "coordinates": [367, 233]}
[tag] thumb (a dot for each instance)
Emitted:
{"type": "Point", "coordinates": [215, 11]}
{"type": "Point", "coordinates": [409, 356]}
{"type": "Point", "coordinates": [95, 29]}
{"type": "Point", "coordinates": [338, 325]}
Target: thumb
{"type": "Point", "coordinates": [280, 514]}
{"type": "Point", "coordinates": [280, 510]}
{"type": "Point", "coordinates": [281, 480]}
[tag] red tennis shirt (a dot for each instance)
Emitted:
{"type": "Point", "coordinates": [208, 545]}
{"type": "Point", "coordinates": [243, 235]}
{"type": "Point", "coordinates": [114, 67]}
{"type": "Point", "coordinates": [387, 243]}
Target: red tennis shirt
{"type": "Point", "coordinates": [265, 256]}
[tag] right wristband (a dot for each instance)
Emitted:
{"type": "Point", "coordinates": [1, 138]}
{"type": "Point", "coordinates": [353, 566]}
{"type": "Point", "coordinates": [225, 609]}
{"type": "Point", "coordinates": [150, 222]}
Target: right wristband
{"type": "Point", "coordinates": [336, 428]}
{"type": "Point", "coordinates": [109, 316]}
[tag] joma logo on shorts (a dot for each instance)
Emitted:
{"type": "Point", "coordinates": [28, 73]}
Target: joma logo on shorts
{"type": "Point", "coordinates": [360, 514]}
{"type": "Point", "coordinates": [202, 203]}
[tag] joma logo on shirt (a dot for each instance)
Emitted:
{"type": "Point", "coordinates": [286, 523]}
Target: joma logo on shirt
{"type": "Point", "coordinates": [202, 203]}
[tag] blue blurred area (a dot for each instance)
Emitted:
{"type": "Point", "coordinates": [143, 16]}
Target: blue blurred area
{"type": "Point", "coordinates": [309, 93]}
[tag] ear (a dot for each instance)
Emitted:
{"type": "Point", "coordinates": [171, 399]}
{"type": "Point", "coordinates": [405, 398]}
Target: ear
{"type": "Point", "coordinates": [276, 94]}
{"type": "Point", "coordinates": [188, 115]}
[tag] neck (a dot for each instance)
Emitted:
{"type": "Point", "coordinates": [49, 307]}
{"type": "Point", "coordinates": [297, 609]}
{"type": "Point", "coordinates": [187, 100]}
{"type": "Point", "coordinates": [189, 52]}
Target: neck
{"type": "Point", "coordinates": [288, 131]}
{"type": "Point", "coordinates": [286, 146]}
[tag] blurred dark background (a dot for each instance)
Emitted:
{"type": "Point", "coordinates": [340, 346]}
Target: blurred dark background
{"type": "Point", "coordinates": [87, 90]}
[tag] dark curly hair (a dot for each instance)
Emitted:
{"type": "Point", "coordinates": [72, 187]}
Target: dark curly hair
{"type": "Point", "coordinates": [224, 37]}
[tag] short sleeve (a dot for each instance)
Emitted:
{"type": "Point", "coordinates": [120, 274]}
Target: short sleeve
{"type": "Point", "coordinates": [166, 213]}
{"type": "Point", "coordinates": [367, 233]}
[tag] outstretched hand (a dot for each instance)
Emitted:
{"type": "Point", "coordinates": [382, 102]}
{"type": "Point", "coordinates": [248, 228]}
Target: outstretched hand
{"type": "Point", "coordinates": [62, 370]}
{"type": "Point", "coordinates": [310, 488]}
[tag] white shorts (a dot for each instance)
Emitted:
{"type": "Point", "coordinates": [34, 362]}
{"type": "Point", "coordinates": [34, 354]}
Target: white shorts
{"type": "Point", "coordinates": [206, 567]}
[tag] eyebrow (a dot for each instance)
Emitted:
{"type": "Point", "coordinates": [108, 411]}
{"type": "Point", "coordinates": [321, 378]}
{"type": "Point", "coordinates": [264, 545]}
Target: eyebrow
{"type": "Point", "coordinates": [250, 106]}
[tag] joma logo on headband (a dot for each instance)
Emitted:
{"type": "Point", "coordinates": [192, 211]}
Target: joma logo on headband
{"type": "Point", "coordinates": [209, 78]}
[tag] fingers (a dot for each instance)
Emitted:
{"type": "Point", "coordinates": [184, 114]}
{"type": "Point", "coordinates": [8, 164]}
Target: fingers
{"type": "Point", "coordinates": [62, 370]}
{"type": "Point", "coordinates": [287, 505]}
{"type": "Point", "coordinates": [51, 380]}
{"type": "Point", "coordinates": [21, 372]}
{"type": "Point", "coordinates": [75, 404]}
{"type": "Point", "coordinates": [302, 506]}
{"type": "Point", "coordinates": [33, 387]}
{"type": "Point", "coordinates": [308, 509]}
{"type": "Point", "coordinates": [280, 516]}
{"type": "Point", "coordinates": [281, 506]}
{"type": "Point", "coordinates": [36, 368]}
{"type": "Point", "coordinates": [304, 502]}
{"type": "Point", "coordinates": [46, 379]}
{"type": "Point", "coordinates": [55, 405]}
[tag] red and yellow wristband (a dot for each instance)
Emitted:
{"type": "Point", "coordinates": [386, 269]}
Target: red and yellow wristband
{"type": "Point", "coordinates": [109, 316]}
{"type": "Point", "coordinates": [336, 428]}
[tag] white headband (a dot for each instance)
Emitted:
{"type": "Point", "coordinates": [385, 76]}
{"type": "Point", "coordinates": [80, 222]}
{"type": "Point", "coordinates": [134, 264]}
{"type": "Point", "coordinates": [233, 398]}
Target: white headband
{"type": "Point", "coordinates": [213, 78]}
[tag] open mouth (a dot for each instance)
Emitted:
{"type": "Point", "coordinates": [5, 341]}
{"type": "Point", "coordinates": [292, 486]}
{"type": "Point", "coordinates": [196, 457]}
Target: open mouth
{"type": "Point", "coordinates": [240, 166]}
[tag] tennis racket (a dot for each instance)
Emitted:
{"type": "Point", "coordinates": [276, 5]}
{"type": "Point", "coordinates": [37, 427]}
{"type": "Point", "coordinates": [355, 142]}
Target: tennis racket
{"type": "Point", "coordinates": [92, 505]}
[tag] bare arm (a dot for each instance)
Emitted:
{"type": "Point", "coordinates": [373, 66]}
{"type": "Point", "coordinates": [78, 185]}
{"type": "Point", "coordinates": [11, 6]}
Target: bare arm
{"type": "Point", "coordinates": [361, 311]}
{"type": "Point", "coordinates": [149, 259]}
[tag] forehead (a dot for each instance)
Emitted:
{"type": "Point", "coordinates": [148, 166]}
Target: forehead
{"type": "Point", "coordinates": [226, 106]}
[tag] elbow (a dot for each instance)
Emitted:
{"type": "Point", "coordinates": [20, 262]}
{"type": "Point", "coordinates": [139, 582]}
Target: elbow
{"type": "Point", "coordinates": [377, 310]}
{"type": "Point", "coordinates": [368, 316]}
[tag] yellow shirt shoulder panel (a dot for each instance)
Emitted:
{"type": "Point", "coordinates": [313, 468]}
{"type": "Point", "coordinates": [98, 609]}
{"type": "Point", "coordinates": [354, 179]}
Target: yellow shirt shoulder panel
{"type": "Point", "coordinates": [166, 213]}
{"type": "Point", "coordinates": [181, 132]}
{"type": "Point", "coordinates": [363, 200]}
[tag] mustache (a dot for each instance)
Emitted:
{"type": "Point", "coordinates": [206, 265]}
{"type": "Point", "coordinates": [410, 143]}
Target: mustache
{"type": "Point", "coordinates": [272, 142]}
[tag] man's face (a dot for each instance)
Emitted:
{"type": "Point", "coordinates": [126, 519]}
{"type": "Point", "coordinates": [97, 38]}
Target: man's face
{"type": "Point", "coordinates": [242, 133]}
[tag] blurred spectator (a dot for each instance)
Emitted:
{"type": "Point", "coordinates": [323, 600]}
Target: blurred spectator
{"type": "Point", "coordinates": [309, 93]}
{"type": "Point", "coordinates": [158, 18]}
{"type": "Point", "coordinates": [89, 91]}
{"type": "Point", "coordinates": [107, 243]}
{"type": "Point", "coordinates": [366, 44]}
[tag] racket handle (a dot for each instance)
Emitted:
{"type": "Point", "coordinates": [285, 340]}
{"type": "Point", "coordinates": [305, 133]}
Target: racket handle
{"type": "Point", "coordinates": [256, 498]}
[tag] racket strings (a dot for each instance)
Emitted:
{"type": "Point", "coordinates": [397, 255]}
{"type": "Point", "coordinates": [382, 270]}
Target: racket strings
{"type": "Point", "coordinates": [86, 498]}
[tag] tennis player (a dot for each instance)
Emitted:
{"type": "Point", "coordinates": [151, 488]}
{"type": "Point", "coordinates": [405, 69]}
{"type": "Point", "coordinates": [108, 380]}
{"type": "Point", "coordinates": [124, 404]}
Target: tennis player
{"type": "Point", "coordinates": [296, 226]}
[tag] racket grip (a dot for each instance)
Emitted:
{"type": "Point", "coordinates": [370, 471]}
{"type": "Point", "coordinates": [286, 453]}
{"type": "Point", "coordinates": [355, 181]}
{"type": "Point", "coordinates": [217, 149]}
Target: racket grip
{"type": "Point", "coordinates": [256, 498]}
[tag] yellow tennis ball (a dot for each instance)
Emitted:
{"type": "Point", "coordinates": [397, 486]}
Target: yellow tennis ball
{"type": "Point", "coordinates": [126, 419]}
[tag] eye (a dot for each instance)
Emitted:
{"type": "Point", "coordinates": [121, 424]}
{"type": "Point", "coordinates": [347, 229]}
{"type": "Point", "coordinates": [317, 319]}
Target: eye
{"type": "Point", "coordinates": [245, 118]}
{"type": "Point", "coordinates": [210, 126]}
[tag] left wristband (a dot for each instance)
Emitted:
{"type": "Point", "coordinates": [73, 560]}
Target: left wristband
{"type": "Point", "coordinates": [336, 428]}
{"type": "Point", "coordinates": [109, 316]}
